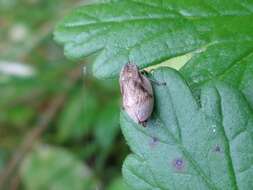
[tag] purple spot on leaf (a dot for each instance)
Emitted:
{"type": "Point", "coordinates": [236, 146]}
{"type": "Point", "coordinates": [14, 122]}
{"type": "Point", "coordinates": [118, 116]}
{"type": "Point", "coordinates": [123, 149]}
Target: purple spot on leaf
{"type": "Point", "coordinates": [217, 148]}
{"type": "Point", "coordinates": [153, 142]}
{"type": "Point", "coordinates": [178, 164]}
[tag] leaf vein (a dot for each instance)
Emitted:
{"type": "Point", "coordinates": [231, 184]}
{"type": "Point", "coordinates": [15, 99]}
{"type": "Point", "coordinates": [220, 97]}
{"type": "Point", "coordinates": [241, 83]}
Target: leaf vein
{"type": "Point", "coordinates": [141, 178]}
{"type": "Point", "coordinates": [195, 165]}
{"type": "Point", "coordinates": [227, 143]}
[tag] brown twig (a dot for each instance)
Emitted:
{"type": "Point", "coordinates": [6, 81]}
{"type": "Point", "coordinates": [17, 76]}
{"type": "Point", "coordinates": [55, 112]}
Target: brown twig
{"type": "Point", "coordinates": [37, 131]}
{"type": "Point", "coordinates": [14, 185]}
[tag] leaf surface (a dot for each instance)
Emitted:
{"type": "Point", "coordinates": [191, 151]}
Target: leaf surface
{"type": "Point", "coordinates": [107, 125]}
{"type": "Point", "coordinates": [189, 144]}
{"type": "Point", "coordinates": [54, 168]}
{"type": "Point", "coordinates": [148, 32]}
{"type": "Point", "coordinates": [231, 62]}
{"type": "Point", "coordinates": [77, 116]}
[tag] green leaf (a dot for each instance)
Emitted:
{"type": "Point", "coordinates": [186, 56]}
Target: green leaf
{"type": "Point", "coordinates": [118, 184]}
{"type": "Point", "coordinates": [19, 116]}
{"type": "Point", "coordinates": [3, 158]}
{"type": "Point", "coordinates": [148, 32]}
{"type": "Point", "coordinates": [189, 144]}
{"type": "Point", "coordinates": [107, 126]}
{"type": "Point", "coordinates": [77, 116]}
{"type": "Point", "coordinates": [231, 62]}
{"type": "Point", "coordinates": [54, 168]}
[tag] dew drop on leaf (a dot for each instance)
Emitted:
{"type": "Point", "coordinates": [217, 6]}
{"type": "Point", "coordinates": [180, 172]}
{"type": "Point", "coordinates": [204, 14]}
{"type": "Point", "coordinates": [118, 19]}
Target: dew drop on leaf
{"type": "Point", "coordinates": [214, 129]}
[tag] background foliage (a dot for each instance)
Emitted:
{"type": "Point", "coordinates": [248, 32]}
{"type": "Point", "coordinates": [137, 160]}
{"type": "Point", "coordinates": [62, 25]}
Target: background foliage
{"type": "Point", "coordinates": [59, 126]}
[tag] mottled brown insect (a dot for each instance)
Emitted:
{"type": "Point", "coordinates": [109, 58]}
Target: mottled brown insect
{"type": "Point", "coordinates": [137, 93]}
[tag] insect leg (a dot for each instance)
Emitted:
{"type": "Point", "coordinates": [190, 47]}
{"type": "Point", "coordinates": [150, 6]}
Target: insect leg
{"type": "Point", "coordinates": [159, 83]}
{"type": "Point", "coordinates": [143, 123]}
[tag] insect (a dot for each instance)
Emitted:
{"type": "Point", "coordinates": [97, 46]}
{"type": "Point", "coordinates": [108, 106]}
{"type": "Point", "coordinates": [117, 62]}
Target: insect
{"type": "Point", "coordinates": [137, 93]}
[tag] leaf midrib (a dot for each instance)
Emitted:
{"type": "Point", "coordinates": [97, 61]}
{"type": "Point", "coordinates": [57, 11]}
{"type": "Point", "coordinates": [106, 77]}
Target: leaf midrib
{"type": "Point", "coordinates": [195, 165]}
{"type": "Point", "coordinates": [187, 155]}
{"type": "Point", "coordinates": [145, 19]}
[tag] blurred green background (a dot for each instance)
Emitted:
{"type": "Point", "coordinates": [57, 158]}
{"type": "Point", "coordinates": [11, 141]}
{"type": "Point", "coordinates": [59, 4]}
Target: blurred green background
{"type": "Point", "coordinates": [59, 126]}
